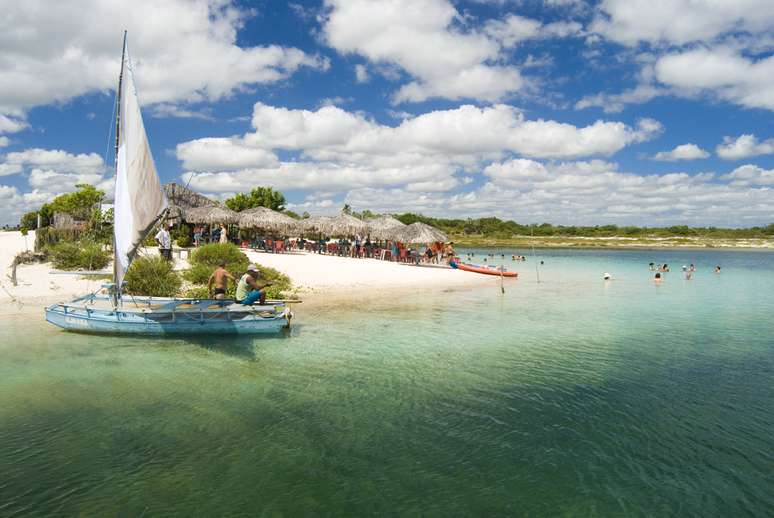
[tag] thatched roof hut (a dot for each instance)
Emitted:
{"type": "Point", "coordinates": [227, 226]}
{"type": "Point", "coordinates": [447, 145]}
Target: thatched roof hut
{"type": "Point", "coordinates": [266, 219]}
{"type": "Point", "coordinates": [384, 227]}
{"type": "Point", "coordinates": [210, 215]}
{"type": "Point", "coordinates": [341, 225]}
{"type": "Point", "coordinates": [347, 225]}
{"type": "Point", "coordinates": [185, 197]}
{"type": "Point", "coordinates": [182, 198]}
{"type": "Point", "coordinates": [420, 233]}
{"type": "Point", "coordinates": [319, 224]}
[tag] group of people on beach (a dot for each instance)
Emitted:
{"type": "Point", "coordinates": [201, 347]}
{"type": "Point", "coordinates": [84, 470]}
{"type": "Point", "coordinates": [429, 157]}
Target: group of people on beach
{"type": "Point", "coordinates": [201, 235]}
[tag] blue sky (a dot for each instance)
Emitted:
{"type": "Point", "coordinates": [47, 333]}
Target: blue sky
{"type": "Point", "coordinates": [563, 111]}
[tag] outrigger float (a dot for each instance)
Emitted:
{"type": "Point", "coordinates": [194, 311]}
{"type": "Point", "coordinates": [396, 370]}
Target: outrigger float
{"type": "Point", "coordinates": [140, 203]}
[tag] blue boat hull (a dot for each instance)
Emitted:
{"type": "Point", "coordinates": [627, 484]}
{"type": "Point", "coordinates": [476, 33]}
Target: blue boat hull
{"type": "Point", "coordinates": [238, 321]}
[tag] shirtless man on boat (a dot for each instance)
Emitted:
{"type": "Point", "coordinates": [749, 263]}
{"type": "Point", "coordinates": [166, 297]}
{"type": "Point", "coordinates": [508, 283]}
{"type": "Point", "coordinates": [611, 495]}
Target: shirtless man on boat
{"type": "Point", "coordinates": [248, 290]}
{"type": "Point", "coordinates": [220, 279]}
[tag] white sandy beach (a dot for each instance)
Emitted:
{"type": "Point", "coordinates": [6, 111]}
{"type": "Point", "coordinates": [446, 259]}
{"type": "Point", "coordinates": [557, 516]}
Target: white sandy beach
{"type": "Point", "coordinates": [312, 275]}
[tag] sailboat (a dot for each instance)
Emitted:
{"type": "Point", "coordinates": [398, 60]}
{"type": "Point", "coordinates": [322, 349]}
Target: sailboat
{"type": "Point", "coordinates": [140, 203]}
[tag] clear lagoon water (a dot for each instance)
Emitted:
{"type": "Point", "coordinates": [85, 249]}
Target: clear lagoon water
{"type": "Point", "coordinates": [571, 397]}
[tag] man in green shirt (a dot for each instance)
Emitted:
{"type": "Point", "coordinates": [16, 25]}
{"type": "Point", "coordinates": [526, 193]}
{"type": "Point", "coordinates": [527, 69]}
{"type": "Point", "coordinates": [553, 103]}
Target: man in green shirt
{"type": "Point", "coordinates": [248, 290]}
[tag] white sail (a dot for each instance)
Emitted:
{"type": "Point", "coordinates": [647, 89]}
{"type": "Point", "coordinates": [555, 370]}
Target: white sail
{"type": "Point", "coordinates": [139, 198]}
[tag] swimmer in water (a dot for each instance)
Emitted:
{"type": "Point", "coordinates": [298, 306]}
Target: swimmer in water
{"type": "Point", "coordinates": [657, 278]}
{"type": "Point", "coordinates": [717, 269]}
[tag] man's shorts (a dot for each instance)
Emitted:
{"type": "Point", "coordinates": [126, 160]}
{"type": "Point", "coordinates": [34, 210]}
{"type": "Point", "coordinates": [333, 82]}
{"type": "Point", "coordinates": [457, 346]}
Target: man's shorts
{"type": "Point", "coordinates": [251, 297]}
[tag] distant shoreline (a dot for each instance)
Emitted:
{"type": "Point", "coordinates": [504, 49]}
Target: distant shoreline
{"type": "Point", "coordinates": [614, 243]}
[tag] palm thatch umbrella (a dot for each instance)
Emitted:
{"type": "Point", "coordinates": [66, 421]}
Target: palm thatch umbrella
{"type": "Point", "coordinates": [384, 227]}
{"type": "Point", "coordinates": [266, 219]}
{"type": "Point", "coordinates": [347, 225]}
{"type": "Point", "coordinates": [210, 215]}
{"type": "Point", "coordinates": [181, 198]}
{"type": "Point", "coordinates": [420, 233]}
{"type": "Point", "coordinates": [185, 197]}
{"type": "Point", "coordinates": [321, 224]}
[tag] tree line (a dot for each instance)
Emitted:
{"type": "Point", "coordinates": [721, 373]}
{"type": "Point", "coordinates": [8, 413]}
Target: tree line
{"type": "Point", "coordinates": [81, 205]}
{"type": "Point", "coordinates": [498, 228]}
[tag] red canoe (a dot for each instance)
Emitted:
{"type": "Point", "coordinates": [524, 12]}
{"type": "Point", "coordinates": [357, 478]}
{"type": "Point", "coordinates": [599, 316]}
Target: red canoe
{"type": "Point", "coordinates": [486, 270]}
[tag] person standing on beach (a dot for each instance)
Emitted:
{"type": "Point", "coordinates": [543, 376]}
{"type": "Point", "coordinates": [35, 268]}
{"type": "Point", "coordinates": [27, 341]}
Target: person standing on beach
{"type": "Point", "coordinates": [165, 243]}
{"type": "Point", "coordinates": [220, 279]}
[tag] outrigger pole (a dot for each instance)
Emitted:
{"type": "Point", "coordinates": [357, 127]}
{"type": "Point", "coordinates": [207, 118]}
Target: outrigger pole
{"type": "Point", "coordinates": [116, 295]}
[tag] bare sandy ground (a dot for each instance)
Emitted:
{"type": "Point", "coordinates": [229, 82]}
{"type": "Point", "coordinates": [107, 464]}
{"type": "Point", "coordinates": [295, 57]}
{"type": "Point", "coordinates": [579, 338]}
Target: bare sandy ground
{"type": "Point", "coordinates": [313, 273]}
{"type": "Point", "coordinates": [314, 277]}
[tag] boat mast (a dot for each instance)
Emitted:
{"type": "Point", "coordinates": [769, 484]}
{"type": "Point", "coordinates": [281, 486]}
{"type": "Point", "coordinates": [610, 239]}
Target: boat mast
{"type": "Point", "coordinates": [117, 289]}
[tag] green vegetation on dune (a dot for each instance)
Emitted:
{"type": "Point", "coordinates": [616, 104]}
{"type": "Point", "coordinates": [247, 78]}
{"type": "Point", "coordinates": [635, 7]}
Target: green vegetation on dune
{"type": "Point", "coordinates": [79, 255]}
{"type": "Point", "coordinates": [153, 276]}
{"type": "Point", "coordinates": [478, 241]}
{"type": "Point", "coordinates": [494, 232]}
{"type": "Point", "coordinates": [206, 258]}
{"type": "Point", "coordinates": [506, 229]}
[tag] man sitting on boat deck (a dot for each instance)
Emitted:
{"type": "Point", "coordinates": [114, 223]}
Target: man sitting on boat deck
{"type": "Point", "coordinates": [248, 291]}
{"type": "Point", "coordinates": [220, 279]}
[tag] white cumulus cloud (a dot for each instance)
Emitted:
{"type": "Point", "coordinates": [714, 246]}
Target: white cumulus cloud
{"type": "Point", "coordinates": [744, 146]}
{"type": "Point", "coordinates": [183, 50]}
{"type": "Point", "coordinates": [721, 72]}
{"type": "Point", "coordinates": [11, 124]}
{"type": "Point", "coordinates": [429, 41]}
{"type": "Point", "coordinates": [340, 150]}
{"type": "Point", "coordinates": [60, 160]}
{"type": "Point", "coordinates": [700, 48]}
{"type": "Point", "coordinates": [682, 152]}
{"type": "Point", "coordinates": [680, 21]}
{"type": "Point", "coordinates": [333, 150]}
{"type": "Point", "coordinates": [590, 192]}
{"type": "Point", "coordinates": [750, 175]}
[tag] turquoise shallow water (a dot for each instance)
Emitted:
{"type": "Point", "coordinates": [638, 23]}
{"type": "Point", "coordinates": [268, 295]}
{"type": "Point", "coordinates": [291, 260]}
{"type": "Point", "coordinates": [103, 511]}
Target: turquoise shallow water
{"type": "Point", "coordinates": [573, 397]}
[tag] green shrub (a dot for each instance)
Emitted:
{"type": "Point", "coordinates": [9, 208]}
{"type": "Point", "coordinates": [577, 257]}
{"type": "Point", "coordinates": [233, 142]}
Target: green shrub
{"type": "Point", "coordinates": [47, 237]}
{"type": "Point", "coordinates": [211, 255]}
{"type": "Point", "coordinates": [182, 236]}
{"type": "Point", "coordinates": [281, 282]}
{"type": "Point", "coordinates": [83, 255]}
{"type": "Point", "coordinates": [152, 276]}
{"type": "Point", "coordinates": [64, 255]}
{"type": "Point", "coordinates": [199, 273]}
{"type": "Point", "coordinates": [197, 292]}
{"type": "Point", "coordinates": [93, 256]}
{"type": "Point", "coordinates": [184, 241]}
{"type": "Point", "coordinates": [206, 258]}
{"type": "Point", "coordinates": [150, 239]}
